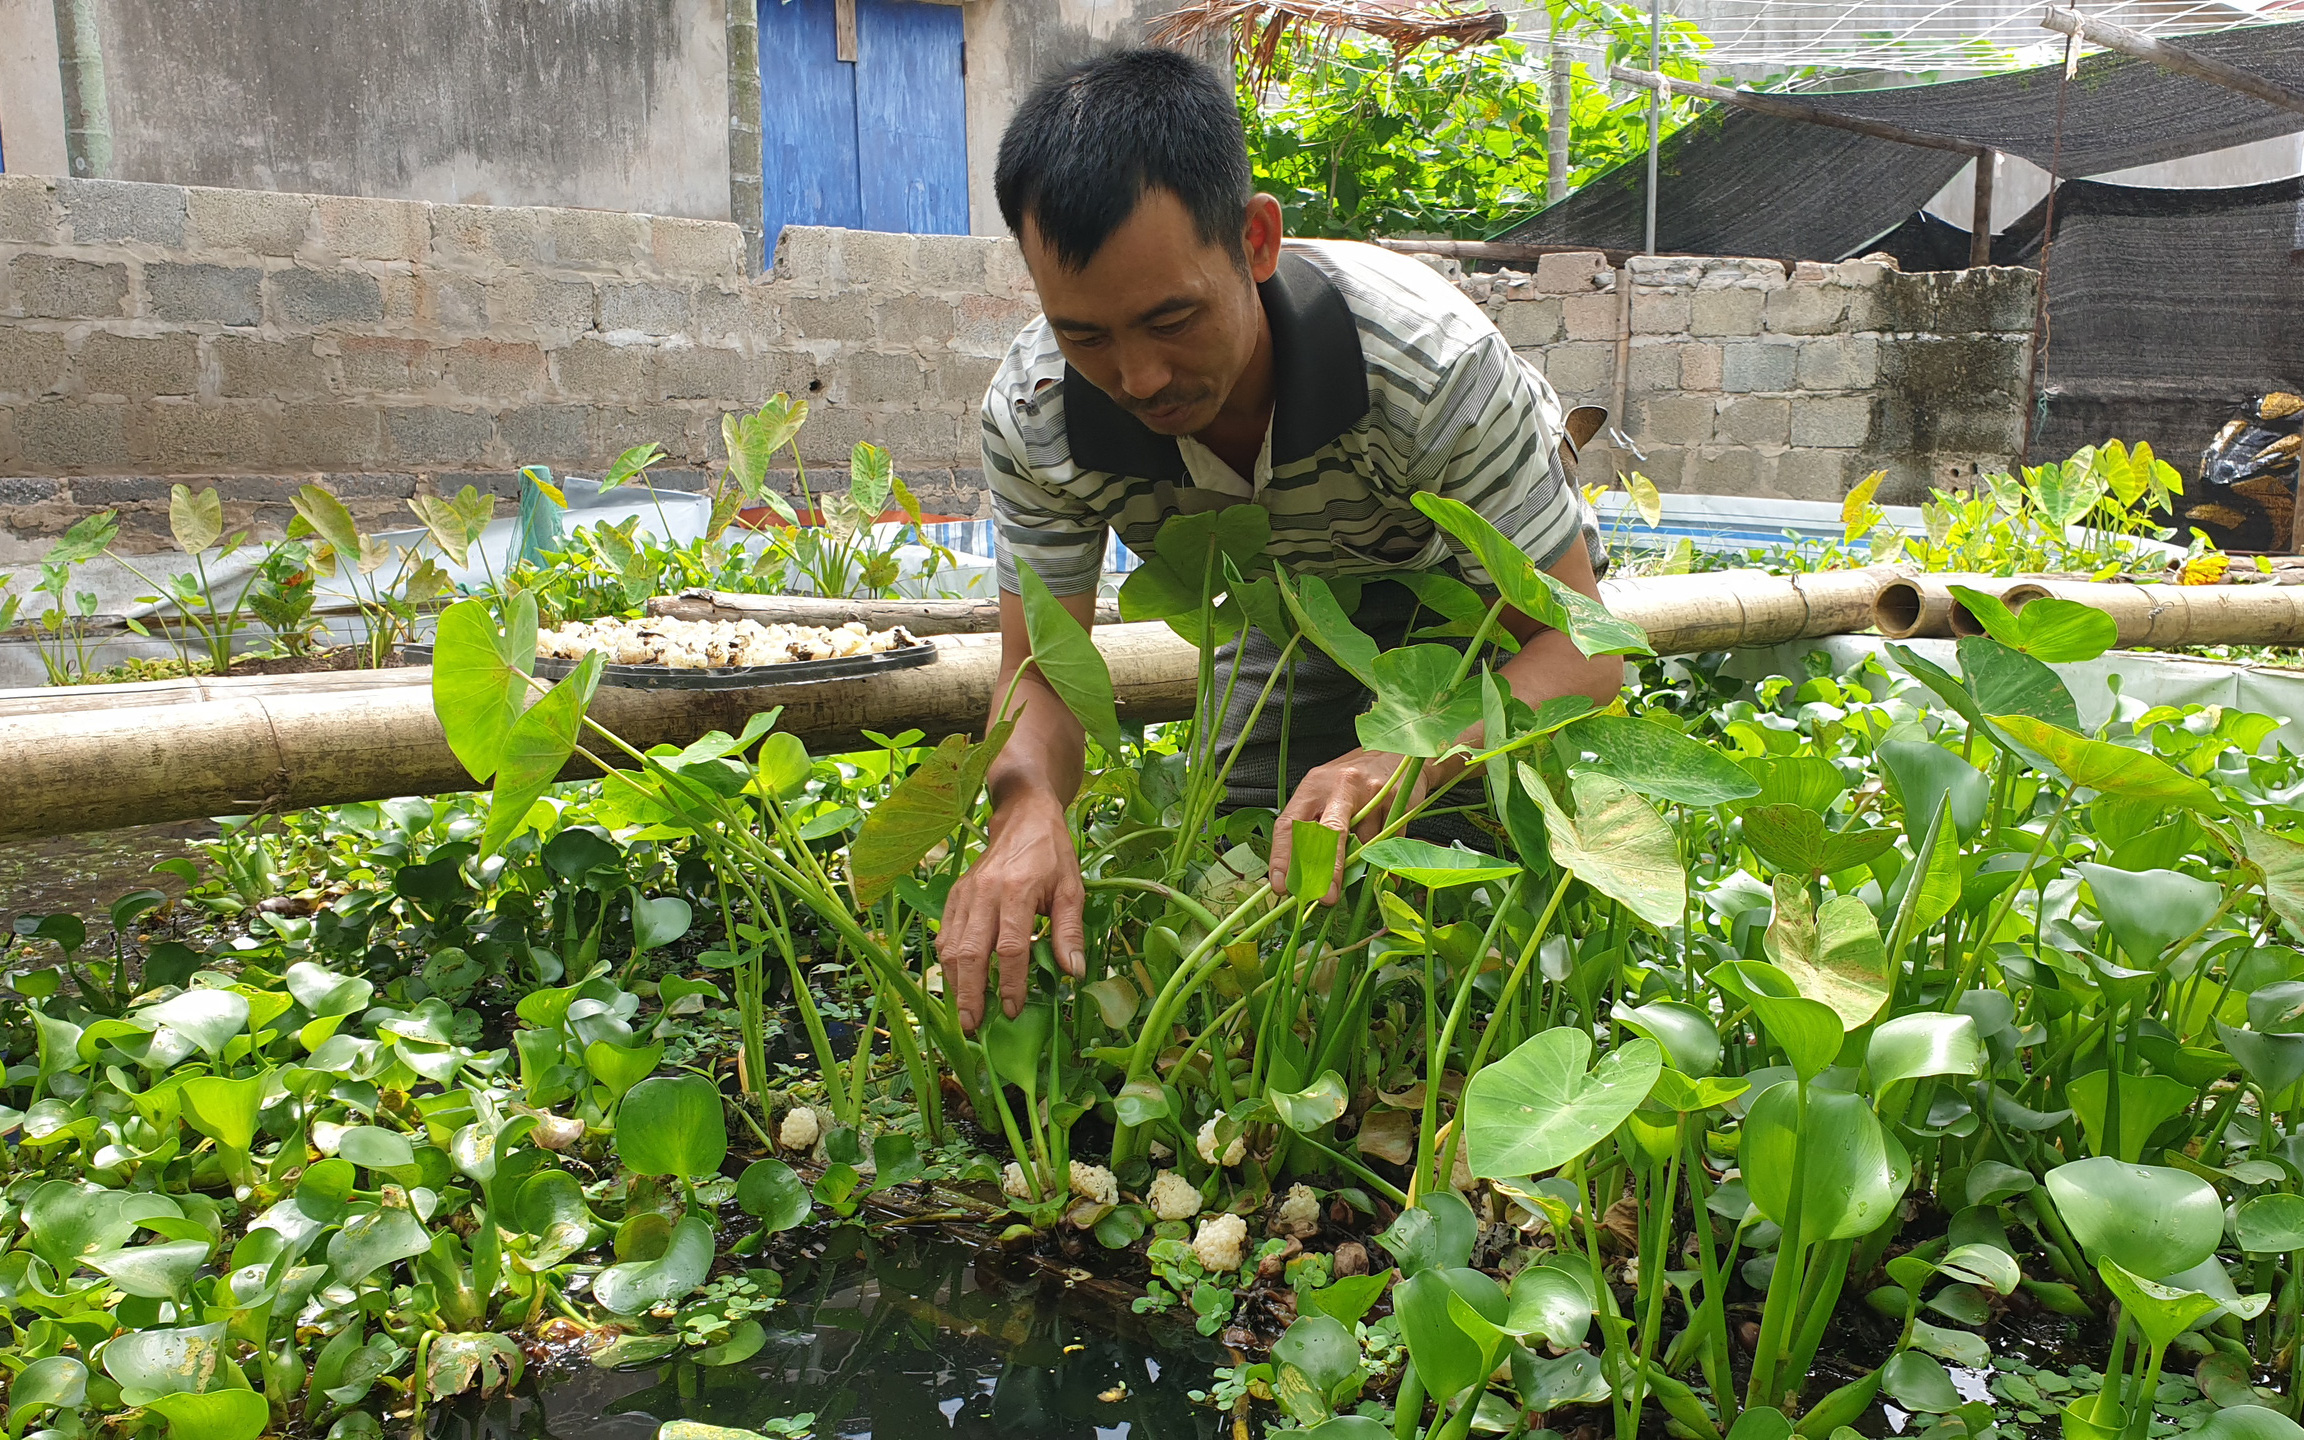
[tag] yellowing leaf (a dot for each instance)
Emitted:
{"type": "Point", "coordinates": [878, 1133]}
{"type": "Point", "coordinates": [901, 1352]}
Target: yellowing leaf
{"type": "Point", "coordinates": [1642, 490]}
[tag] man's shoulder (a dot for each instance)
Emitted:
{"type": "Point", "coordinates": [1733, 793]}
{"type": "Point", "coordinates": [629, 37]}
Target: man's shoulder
{"type": "Point", "coordinates": [1396, 294]}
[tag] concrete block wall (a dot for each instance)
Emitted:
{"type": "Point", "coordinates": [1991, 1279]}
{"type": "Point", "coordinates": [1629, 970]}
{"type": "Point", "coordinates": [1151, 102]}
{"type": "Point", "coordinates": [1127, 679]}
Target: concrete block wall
{"type": "Point", "coordinates": [1743, 379]}
{"type": "Point", "coordinates": [154, 333]}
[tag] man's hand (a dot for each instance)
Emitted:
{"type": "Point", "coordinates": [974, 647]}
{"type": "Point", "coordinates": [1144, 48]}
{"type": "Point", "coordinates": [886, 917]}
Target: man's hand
{"type": "Point", "coordinates": [1332, 795]}
{"type": "Point", "coordinates": [1028, 870]}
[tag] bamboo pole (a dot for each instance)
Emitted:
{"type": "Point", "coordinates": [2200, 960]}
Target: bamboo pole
{"type": "Point", "coordinates": [2170, 58]}
{"type": "Point", "coordinates": [1923, 607]}
{"type": "Point", "coordinates": [1784, 108]}
{"type": "Point", "coordinates": [921, 617]}
{"type": "Point", "coordinates": [2168, 617]}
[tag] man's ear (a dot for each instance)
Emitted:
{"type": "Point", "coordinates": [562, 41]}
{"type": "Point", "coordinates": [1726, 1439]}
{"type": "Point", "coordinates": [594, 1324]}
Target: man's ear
{"type": "Point", "coordinates": [1260, 236]}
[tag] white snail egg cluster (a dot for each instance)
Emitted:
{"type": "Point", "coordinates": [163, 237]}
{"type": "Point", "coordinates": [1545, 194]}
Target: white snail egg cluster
{"type": "Point", "coordinates": [714, 644]}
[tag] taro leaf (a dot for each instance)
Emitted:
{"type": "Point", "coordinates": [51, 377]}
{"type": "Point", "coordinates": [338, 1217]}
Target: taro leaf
{"type": "Point", "coordinates": [2162, 1312]}
{"type": "Point", "coordinates": [1552, 1304]}
{"type": "Point", "coordinates": [1418, 711]}
{"type": "Point", "coordinates": [154, 1272]}
{"type": "Point", "coordinates": [2280, 860]}
{"type": "Point", "coordinates": [2270, 1224]}
{"type": "Point", "coordinates": [1616, 843]}
{"type": "Point", "coordinates": [1069, 661]}
{"type": "Point", "coordinates": [1691, 1044]}
{"type": "Point", "coordinates": [1420, 862]}
{"type": "Point", "coordinates": [1462, 606]}
{"type": "Point", "coordinates": [672, 1125]}
{"type": "Point", "coordinates": [1920, 1383]}
{"type": "Point", "coordinates": [208, 1018]}
{"type": "Point", "coordinates": [2272, 1061]}
{"type": "Point", "coordinates": [1657, 760]}
{"type": "Point", "coordinates": [2248, 1422]}
{"type": "Point", "coordinates": [224, 1110]}
{"type": "Point", "coordinates": [1795, 839]}
{"type": "Point", "coordinates": [2100, 765]}
{"type": "Point", "coordinates": [1312, 849]}
{"type": "Point", "coordinates": [1832, 953]}
{"type": "Point", "coordinates": [1437, 1232]}
{"type": "Point", "coordinates": [1851, 1172]}
{"type": "Point", "coordinates": [1923, 773]}
{"type": "Point", "coordinates": [1306, 1110]}
{"type": "Point", "coordinates": [1533, 593]}
{"type": "Point", "coordinates": [1909, 1047]}
{"type": "Point", "coordinates": [658, 921]}
{"type": "Point", "coordinates": [2148, 911]}
{"type": "Point", "coordinates": [195, 520]}
{"type": "Point", "coordinates": [1186, 561]}
{"type": "Point", "coordinates": [2146, 1103]}
{"type": "Point", "coordinates": [535, 749]}
{"type": "Point", "coordinates": [1326, 623]}
{"type": "Point", "coordinates": [216, 1415]}
{"type": "Point", "coordinates": [1539, 1107]}
{"type": "Point", "coordinates": [369, 1242]}
{"type": "Point", "coordinates": [454, 522]}
{"type": "Point", "coordinates": [151, 1363]}
{"type": "Point", "coordinates": [1450, 1358]}
{"type": "Point", "coordinates": [330, 521]}
{"type": "Point", "coordinates": [772, 1191]}
{"type": "Point", "coordinates": [917, 816]}
{"type": "Point", "coordinates": [635, 1285]}
{"type": "Point", "coordinates": [2060, 632]}
{"type": "Point", "coordinates": [2152, 1220]}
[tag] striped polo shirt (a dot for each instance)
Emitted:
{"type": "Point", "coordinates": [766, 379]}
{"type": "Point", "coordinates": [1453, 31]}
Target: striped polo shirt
{"type": "Point", "coordinates": [1387, 381]}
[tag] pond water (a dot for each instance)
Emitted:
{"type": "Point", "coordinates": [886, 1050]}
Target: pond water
{"type": "Point", "coordinates": [84, 874]}
{"type": "Point", "coordinates": [891, 1337]}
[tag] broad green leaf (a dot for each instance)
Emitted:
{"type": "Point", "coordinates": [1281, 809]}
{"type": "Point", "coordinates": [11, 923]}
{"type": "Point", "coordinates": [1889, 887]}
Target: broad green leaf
{"type": "Point", "coordinates": [1657, 760]}
{"type": "Point", "coordinates": [454, 522]}
{"type": "Point", "coordinates": [2162, 1312]}
{"type": "Point", "coordinates": [2152, 1220]}
{"type": "Point", "coordinates": [1324, 621]}
{"type": "Point", "coordinates": [1809, 1032]}
{"type": "Point", "coordinates": [1691, 1044]}
{"type": "Point", "coordinates": [2100, 765]}
{"type": "Point", "coordinates": [917, 816]}
{"type": "Point", "coordinates": [2270, 1224]}
{"type": "Point", "coordinates": [672, 1125]}
{"type": "Point", "coordinates": [154, 1362]}
{"type": "Point", "coordinates": [658, 921]}
{"type": "Point", "coordinates": [536, 748]}
{"type": "Point", "coordinates": [1551, 1304]}
{"type": "Point", "coordinates": [216, 1415]}
{"type": "Point", "coordinates": [2280, 860]}
{"type": "Point", "coordinates": [1533, 593]}
{"type": "Point", "coordinates": [155, 1272]}
{"type": "Point", "coordinates": [1919, 1383]}
{"type": "Point", "coordinates": [1833, 952]}
{"type": "Point", "coordinates": [2248, 1422]}
{"type": "Point", "coordinates": [1321, 1103]}
{"type": "Point", "coordinates": [772, 1191]}
{"type": "Point", "coordinates": [2146, 1103]}
{"type": "Point", "coordinates": [1924, 774]}
{"type": "Point", "coordinates": [1851, 1173]}
{"type": "Point", "coordinates": [2065, 493]}
{"type": "Point", "coordinates": [1069, 661]}
{"type": "Point", "coordinates": [1795, 839]}
{"type": "Point", "coordinates": [1616, 843]}
{"type": "Point", "coordinates": [195, 520]}
{"type": "Point", "coordinates": [2063, 632]}
{"type": "Point", "coordinates": [209, 1018]}
{"type": "Point", "coordinates": [620, 1067]}
{"type": "Point", "coordinates": [1322, 1347]}
{"type": "Point", "coordinates": [1420, 862]}
{"type": "Point", "coordinates": [1681, 1095]}
{"type": "Point", "coordinates": [1806, 782]}
{"type": "Point", "coordinates": [1909, 1047]}
{"type": "Point", "coordinates": [1017, 1048]}
{"type": "Point", "coordinates": [1540, 1107]}
{"type": "Point", "coordinates": [329, 520]}
{"type": "Point", "coordinates": [635, 1285]}
{"type": "Point", "coordinates": [224, 1110]}
{"type": "Point", "coordinates": [1464, 609]}
{"type": "Point", "coordinates": [2148, 911]}
{"type": "Point", "coordinates": [1421, 708]}
{"type": "Point", "coordinates": [1576, 1378]}
{"type": "Point", "coordinates": [57, 1382]}
{"type": "Point", "coordinates": [1436, 1233]}
{"type": "Point", "coordinates": [1187, 560]}
{"type": "Point", "coordinates": [1450, 1358]}
{"type": "Point", "coordinates": [375, 1147]}
{"type": "Point", "coordinates": [480, 677]}
{"type": "Point", "coordinates": [1311, 860]}
{"type": "Point", "coordinates": [1347, 1299]}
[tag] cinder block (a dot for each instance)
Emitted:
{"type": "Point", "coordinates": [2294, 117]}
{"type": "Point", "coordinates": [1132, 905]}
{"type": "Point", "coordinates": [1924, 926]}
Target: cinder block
{"type": "Point", "coordinates": [1580, 372]}
{"type": "Point", "coordinates": [591, 239]}
{"type": "Point", "coordinates": [101, 210]}
{"type": "Point", "coordinates": [1659, 312]}
{"type": "Point", "coordinates": [925, 437]}
{"type": "Point", "coordinates": [840, 317]}
{"type": "Point", "coordinates": [989, 323]}
{"type": "Point", "coordinates": [1574, 273]}
{"type": "Point", "coordinates": [258, 221]}
{"type": "Point", "coordinates": [1803, 309]}
{"type": "Point", "coordinates": [25, 490]}
{"type": "Point", "coordinates": [617, 428]}
{"type": "Point", "coordinates": [50, 287]}
{"type": "Point", "coordinates": [494, 369]}
{"type": "Point", "coordinates": [455, 304]}
{"type": "Point", "coordinates": [597, 370]}
{"type": "Point", "coordinates": [964, 379]}
{"type": "Point", "coordinates": [254, 369]}
{"type": "Point", "coordinates": [1654, 367]}
{"type": "Point", "coordinates": [357, 228]}
{"type": "Point", "coordinates": [701, 248]}
{"type": "Point", "coordinates": [1715, 470]}
{"type": "Point", "coordinates": [31, 363]}
{"type": "Point", "coordinates": [833, 430]}
{"type": "Point", "coordinates": [876, 376]}
{"type": "Point", "coordinates": [943, 263]}
{"type": "Point", "coordinates": [1699, 367]}
{"type": "Point", "coordinates": [175, 435]}
{"type": "Point", "coordinates": [650, 308]}
{"type": "Point", "coordinates": [434, 435]}
{"type": "Point", "coordinates": [747, 314]}
{"type": "Point", "coordinates": [1757, 366]}
{"type": "Point", "coordinates": [1869, 271]}
{"type": "Point", "coordinates": [1673, 419]}
{"type": "Point", "coordinates": [1592, 317]}
{"type": "Point", "coordinates": [214, 294]}
{"type": "Point", "coordinates": [308, 299]}
{"type": "Point", "coordinates": [485, 234]}
{"type": "Point", "coordinates": [1005, 272]}
{"type": "Point", "coordinates": [1754, 420]}
{"type": "Point", "coordinates": [1664, 464]}
{"type": "Point", "coordinates": [1815, 474]}
{"type": "Point", "coordinates": [697, 372]}
{"type": "Point", "coordinates": [136, 367]}
{"type": "Point", "coordinates": [877, 258]}
{"type": "Point", "coordinates": [387, 364]}
{"type": "Point", "coordinates": [1839, 362]}
{"type": "Point", "coordinates": [1675, 271]}
{"type": "Point", "coordinates": [1531, 321]}
{"type": "Point", "coordinates": [1832, 420]}
{"type": "Point", "coordinates": [28, 211]}
{"type": "Point", "coordinates": [1739, 272]}
{"type": "Point", "coordinates": [1726, 312]}
{"type": "Point", "coordinates": [813, 254]}
{"type": "Point", "coordinates": [554, 311]}
{"type": "Point", "coordinates": [558, 435]}
{"type": "Point", "coordinates": [924, 321]}
{"type": "Point", "coordinates": [14, 519]}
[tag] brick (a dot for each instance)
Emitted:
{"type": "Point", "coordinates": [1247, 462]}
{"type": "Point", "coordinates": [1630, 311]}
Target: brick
{"type": "Point", "coordinates": [1674, 419]}
{"type": "Point", "coordinates": [25, 490]}
{"type": "Point", "coordinates": [50, 287]}
{"type": "Point", "coordinates": [651, 309]}
{"type": "Point", "coordinates": [1757, 365]}
{"type": "Point", "coordinates": [1835, 420]}
{"type": "Point", "coordinates": [1592, 317]}
{"type": "Point", "coordinates": [485, 233]}
{"type": "Point", "coordinates": [595, 368]}
{"type": "Point", "coordinates": [254, 369]}
{"type": "Point", "coordinates": [747, 315]}
{"type": "Point", "coordinates": [258, 221]}
{"type": "Point", "coordinates": [31, 363]}
{"type": "Point", "coordinates": [557, 435]}
{"type": "Point", "coordinates": [306, 299]}
{"type": "Point", "coordinates": [554, 311]}
{"type": "Point", "coordinates": [1726, 312]}
{"type": "Point", "coordinates": [693, 372]}
{"type": "Point", "coordinates": [1754, 420]}
{"type": "Point", "coordinates": [1699, 367]}
{"type": "Point", "coordinates": [845, 317]}
{"type": "Point", "coordinates": [1580, 370]}
{"type": "Point", "coordinates": [965, 378]}
{"type": "Point", "coordinates": [217, 294]}
{"type": "Point", "coordinates": [28, 210]}
{"type": "Point", "coordinates": [127, 365]}
{"type": "Point", "coordinates": [1807, 309]}
{"type": "Point", "coordinates": [1654, 367]}
{"type": "Point", "coordinates": [453, 303]}
{"type": "Point", "coordinates": [1839, 362]}
{"type": "Point", "coordinates": [493, 368]}
{"type": "Point", "coordinates": [1531, 322]}
{"type": "Point", "coordinates": [1573, 273]}
{"type": "Point", "coordinates": [988, 324]}
{"type": "Point", "coordinates": [814, 253]}
{"type": "Point", "coordinates": [696, 247]}
{"type": "Point", "coordinates": [919, 320]}
{"type": "Point", "coordinates": [357, 228]}
{"type": "Point", "coordinates": [387, 364]}
{"type": "Point", "coordinates": [172, 435]}
{"type": "Point", "coordinates": [1815, 474]}
{"type": "Point", "coordinates": [100, 210]}
{"type": "Point", "coordinates": [430, 434]}
{"type": "Point", "coordinates": [941, 262]}
{"type": "Point", "coordinates": [875, 376]}
{"type": "Point", "coordinates": [1659, 312]}
{"type": "Point", "coordinates": [1715, 471]}
{"type": "Point", "coordinates": [591, 239]}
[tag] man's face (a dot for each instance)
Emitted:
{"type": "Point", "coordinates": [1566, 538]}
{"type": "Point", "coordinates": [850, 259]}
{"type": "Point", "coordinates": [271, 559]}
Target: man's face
{"type": "Point", "coordinates": [1159, 320]}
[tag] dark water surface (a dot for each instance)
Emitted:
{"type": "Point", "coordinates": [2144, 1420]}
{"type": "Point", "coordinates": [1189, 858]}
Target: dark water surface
{"type": "Point", "coordinates": [893, 1337]}
{"type": "Point", "coordinates": [84, 874]}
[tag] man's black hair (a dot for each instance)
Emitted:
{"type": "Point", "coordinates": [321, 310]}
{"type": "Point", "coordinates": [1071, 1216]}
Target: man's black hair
{"type": "Point", "coordinates": [1090, 140]}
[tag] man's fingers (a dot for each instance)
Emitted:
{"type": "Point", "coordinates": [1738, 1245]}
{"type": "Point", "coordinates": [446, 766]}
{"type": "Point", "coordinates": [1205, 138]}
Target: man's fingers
{"type": "Point", "coordinates": [1067, 925]}
{"type": "Point", "coordinates": [1337, 816]}
{"type": "Point", "coordinates": [1019, 917]}
{"type": "Point", "coordinates": [964, 946]}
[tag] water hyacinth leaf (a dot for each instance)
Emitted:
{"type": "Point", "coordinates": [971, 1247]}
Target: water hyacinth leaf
{"type": "Point", "coordinates": [1616, 843]}
{"type": "Point", "coordinates": [1691, 1044]}
{"type": "Point", "coordinates": [480, 677]}
{"type": "Point", "coordinates": [672, 1125]}
{"type": "Point", "coordinates": [1420, 862]}
{"type": "Point", "coordinates": [2280, 861]}
{"type": "Point", "coordinates": [2146, 1103]}
{"type": "Point", "coordinates": [1540, 1107]}
{"type": "Point", "coordinates": [1349, 1298]}
{"type": "Point", "coordinates": [1018, 1047]}
{"type": "Point", "coordinates": [1832, 953]}
{"type": "Point", "coordinates": [1323, 618]}
{"type": "Point", "coordinates": [1577, 1378]}
{"type": "Point", "coordinates": [620, 1067]}
{"type": "Point", "coordinates": [209, 1018]}
{"type": "Point", "coordinates": [1448, 1357]}
{"type": "Point", "coordinates": [2270, 1224]}
{"type": "Point", "coordinates": [1585, 621]}
{"type": "Point", "coordinates": [1311, 861]}
{"type": "Point", "coordinates": [1809, 1032]}
{"type": "Point", "coordinates": [1806, 782]}
{"type": "Point", "coordinates": [1322, 1347]}
{"type": "Point", "coordinates": [483, 1361]}
{"type": "Point", "coordinates": [2148, 911]}
{"type": "Point", "coordinates": [2272, 1061]}
{"type": "Point", "coordinates": [154, 1362]}
{"type": "Point", "coordinates": [2152, 1220]}
{"type": "Point", "coordinates": [1908, 1047]}
{"type": "Point", "coordinates": [224, 1110]}
{"type": "Point", "coordinates": [1980, 1264]}
{"type": "Point", "coordinates": [1321, 1103]}
{"type": "Point", "coordinates": [1069, 661]}
{"type": "Point", "coordinates": [1348, 1427]}
{"type": "Point", "coordinates": [1851, 1172]}
{"type": "Point", "coordinates": [56, 1382]}
{"type": "Point", "coordinates": [216, 1415]}
{"type": "Point", "coordinates": [635, 1285]}
{"type": "Point", "coordinates": [1551, 1304]}
{"type": "Point", "coordinates": [376, 1147]}
{"type": "Point", "coordinates": [370, 1242]}
{"type": "Point", "coordinates": [1678, 1093]}
{"type": "Point", "coordinates": [1421, 708]}
{"type": "Point", "coordinates": [1925, 774]}
{"type": "Point", "coordinates": [2100, 765]}
{"type": "Point", "coordinates": [1436, 1233]}
{"type": "Point", "coordinates": [1657, 760]}
{"type": "Point", "coordinates": [773, 1192]}
{"type": "Point", "coordinates": [2162, 1312]}
{"type": "Point", "coordinates": [658, 921]}
{"type": "Point", "coordinates": [155, 1272]}
{"type": "Point", "coordinates": [1920, 1383]}
{"type": "Point", "coordinates": [2249, 1422]}
{"type": "Point", "coordinates": [536, 748]}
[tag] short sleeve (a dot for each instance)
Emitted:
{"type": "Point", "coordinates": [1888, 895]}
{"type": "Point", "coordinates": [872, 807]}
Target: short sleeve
{"type": "Point", "coordinates": [1494, 429]}
{"type": "Point", "coordinates": [1035, 521]}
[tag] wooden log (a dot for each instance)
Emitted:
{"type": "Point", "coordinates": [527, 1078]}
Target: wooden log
{"type": "Point", "coordinates": [1980, 214]}
{"type": "Point", "coordinates": [921, 617]}
{"type": "Point", "coordinates": [2170, 58]}
{"type": "Point", "coordinates": [1786, 108]}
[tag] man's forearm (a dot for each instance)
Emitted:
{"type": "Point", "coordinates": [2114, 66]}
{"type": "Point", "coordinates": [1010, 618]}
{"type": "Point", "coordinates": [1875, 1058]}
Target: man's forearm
{"type": "Point", "coordinates": [1046, 756]}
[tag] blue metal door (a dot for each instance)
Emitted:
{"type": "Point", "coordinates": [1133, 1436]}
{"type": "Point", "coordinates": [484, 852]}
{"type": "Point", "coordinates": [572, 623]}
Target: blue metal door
{"type": "Point", "coordinates": [880, 143]}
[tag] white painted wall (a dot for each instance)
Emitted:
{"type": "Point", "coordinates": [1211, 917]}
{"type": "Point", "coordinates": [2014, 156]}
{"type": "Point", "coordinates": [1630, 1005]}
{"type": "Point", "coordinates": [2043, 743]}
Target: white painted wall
{"type": "Point", "coordinates": [31, 89]}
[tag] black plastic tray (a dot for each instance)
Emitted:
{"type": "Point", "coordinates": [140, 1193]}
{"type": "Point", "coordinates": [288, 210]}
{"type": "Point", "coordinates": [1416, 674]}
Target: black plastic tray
{"type": "Point", "coordinates": [738, 677]}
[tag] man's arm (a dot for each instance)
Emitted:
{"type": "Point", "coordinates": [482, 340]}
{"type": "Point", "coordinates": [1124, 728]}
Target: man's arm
{"type": "Point", "coordinates": [1029, 867]}
{"type": "Point", "coordinates": [1548, 665]}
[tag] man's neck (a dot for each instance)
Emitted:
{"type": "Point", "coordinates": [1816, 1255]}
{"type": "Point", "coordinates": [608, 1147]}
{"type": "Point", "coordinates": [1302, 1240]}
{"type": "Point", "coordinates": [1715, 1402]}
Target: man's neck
{"type": "Point", "coordinates": [1236, 435]}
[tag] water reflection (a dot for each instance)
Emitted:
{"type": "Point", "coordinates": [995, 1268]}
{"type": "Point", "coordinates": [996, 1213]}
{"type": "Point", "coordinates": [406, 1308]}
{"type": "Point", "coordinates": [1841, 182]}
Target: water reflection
{"type": "Point", "coordinates": [895, 1337]}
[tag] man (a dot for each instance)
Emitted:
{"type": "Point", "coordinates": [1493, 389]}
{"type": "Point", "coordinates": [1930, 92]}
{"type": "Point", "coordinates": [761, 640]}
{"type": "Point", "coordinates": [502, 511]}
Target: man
{"type": "Point", "coordinates": [1187, 359]}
